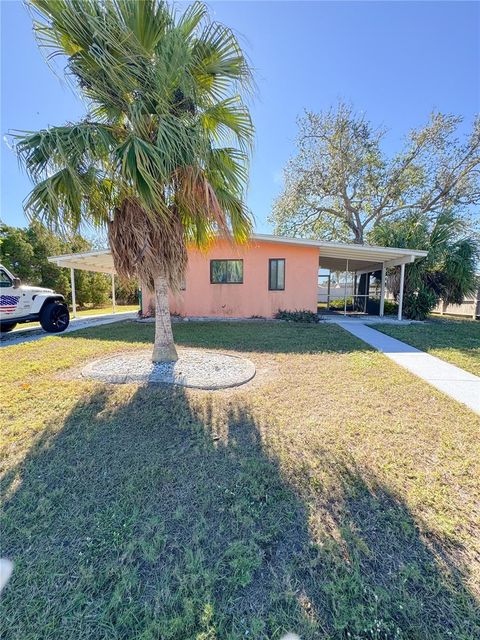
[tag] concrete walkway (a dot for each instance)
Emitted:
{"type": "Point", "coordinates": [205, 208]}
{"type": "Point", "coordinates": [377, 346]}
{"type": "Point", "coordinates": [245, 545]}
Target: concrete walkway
{"type": "Point", "coordinates": [339, 318]}
{"type": "Point", "coordinates": [455, 382]}
{"type": "Point", "coordinates": [19, 336]}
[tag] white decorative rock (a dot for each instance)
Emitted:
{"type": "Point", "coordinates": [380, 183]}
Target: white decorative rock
{"type": "Point", "coordinates": [194, 368]}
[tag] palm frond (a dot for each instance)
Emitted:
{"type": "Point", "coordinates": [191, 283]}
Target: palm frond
{"type": "Point", "coordinates": [142, 168]}
{"type": "Point", "coordinates": [61, 201]}
{"type": "Point", "coordinates": [228, 167]}
{"type": "Point", "coordinates": [191, 18]}
{"type": "Point", "coordinates": [228, 117]}
{"type": "Point", "coordinates": [146, 20]}
{"type": "Point", "coordinates": [218, 61]}
{"type": "Point", "coordinates": [166, 143]}
{"type": "Point", "coordinates": [75, 145]}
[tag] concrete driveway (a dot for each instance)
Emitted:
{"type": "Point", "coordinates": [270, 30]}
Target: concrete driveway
{"type": "Point", "coordinates": [19, 335]}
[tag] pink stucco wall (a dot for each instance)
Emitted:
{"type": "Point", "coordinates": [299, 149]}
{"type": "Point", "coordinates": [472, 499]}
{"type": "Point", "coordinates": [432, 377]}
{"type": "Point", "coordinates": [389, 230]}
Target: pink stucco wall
{"type": "Point", "coordinates": [253, 297]}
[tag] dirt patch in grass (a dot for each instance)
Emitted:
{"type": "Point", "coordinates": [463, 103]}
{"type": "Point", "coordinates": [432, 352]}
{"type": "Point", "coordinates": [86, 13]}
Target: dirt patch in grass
{"type": "Point", "coordinates": [337, 499]}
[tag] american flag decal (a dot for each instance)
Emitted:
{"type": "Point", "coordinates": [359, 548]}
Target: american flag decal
{"type": "Point", "coordinates": [8, 303]}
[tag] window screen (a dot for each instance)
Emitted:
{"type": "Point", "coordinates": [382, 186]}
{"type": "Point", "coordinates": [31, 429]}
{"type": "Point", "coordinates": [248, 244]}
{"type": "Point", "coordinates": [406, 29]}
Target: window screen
{"type": "Point", "coordinates": [226, 271]}
{"type": "Point", "coordinates": [276, 274]}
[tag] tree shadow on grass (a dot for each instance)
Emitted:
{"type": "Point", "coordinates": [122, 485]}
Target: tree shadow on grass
{"type": "Point", "coordinates": [166, 517]}
{"type": "Point", "coordinates": [385, 577]}
{"type": "Point", "coordinates": [266, 337]}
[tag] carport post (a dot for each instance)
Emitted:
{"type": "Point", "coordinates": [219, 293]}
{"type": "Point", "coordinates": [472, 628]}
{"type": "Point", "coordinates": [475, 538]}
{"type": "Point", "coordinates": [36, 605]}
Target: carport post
{"type": "Point", "coordinates": [354, 292]}
{"type": "Point", "coordinates": [345, 294]}
{"type": "Point", "coordinates": [72, 284]}
{"type": "Point", "coordinates": [400, 294]}
{"type": "Point", "coordinates": [382, 291]}
{"type": "Point", "coordinates": [113, 293]}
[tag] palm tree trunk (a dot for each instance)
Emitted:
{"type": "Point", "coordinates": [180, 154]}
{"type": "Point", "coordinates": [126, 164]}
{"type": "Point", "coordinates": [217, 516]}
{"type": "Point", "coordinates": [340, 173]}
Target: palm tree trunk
{"type": "Point", "coordinates": [164, 347]}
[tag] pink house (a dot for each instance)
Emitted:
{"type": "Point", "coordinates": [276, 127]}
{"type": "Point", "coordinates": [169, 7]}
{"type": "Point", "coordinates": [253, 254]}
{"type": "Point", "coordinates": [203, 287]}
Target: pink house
{"type": "Point", "coordinates": [266, 274]}
{"type": "Point", "coordinates": [240, 281]}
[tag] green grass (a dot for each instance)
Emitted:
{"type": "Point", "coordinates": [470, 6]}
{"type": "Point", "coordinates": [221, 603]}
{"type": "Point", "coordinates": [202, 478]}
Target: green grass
{"type": "Point", "coordinates": [335, 495]}
{"type": "Point", "coordinates": [92, 311]}
{"type": "Point", "coordinates": [456, 341]}
{"type": "Point", "coordinates": [119, 308]}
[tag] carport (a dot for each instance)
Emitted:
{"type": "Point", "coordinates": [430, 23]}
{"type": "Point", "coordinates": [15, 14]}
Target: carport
{"type": "Point", "coordinates": [360, 261]}
{"type": "Point", "coordinates": [98, 261]}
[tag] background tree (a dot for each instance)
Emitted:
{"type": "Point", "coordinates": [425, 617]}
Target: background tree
{"type": "Point", "coordinates": [161, 157]}
{"type": "Point", "coordinates": [16, 251]}
{"type": "Point", "coordinates": [126, 291]}
{"type": "Point", "coordinates": [448, 273]}
{"type": "Point", "coordinates": [25, 253]}
{"type": "Point", "coordinates": [342, 184]}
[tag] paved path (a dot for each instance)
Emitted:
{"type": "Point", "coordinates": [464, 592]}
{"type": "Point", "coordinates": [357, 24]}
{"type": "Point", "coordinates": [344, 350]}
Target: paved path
{"type": "Point", "coordinates": [339, 318]}
{"type": "Point", "coordinates": [455, 382]}
{"type": "Point", "coordinates": [19, 336]}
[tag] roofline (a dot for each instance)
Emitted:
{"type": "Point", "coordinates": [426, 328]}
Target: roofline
{"type": "Point", "coordinates": [339, 245]}
{"type": "Point", "coordinates": [263, 237]}
{"type": "Point", "coordinates": [87, 254]}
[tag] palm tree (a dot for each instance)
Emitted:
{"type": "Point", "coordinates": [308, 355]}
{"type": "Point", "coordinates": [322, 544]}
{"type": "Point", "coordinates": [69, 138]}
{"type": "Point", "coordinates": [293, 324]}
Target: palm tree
{"type": "Point", "coordinates": [161, 159]}
{"type": "Point", "coordinates": [448, 273]}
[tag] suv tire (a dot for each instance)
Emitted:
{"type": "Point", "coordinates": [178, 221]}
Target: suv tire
{"type": "Point", "coordinates": [5, 327]}
{"type": "Point", "coordinates": [54, 317]}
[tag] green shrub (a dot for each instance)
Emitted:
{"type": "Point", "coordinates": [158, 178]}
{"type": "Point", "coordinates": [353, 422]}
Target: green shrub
{"type": "Point", "coordinates": [390, 307]}
{"type": "Point", "coordinates": [418, 305]}
{"type": "Point", "coordinates": [298, 315]}
{"type": "Point", "coordinates": [340, 303]}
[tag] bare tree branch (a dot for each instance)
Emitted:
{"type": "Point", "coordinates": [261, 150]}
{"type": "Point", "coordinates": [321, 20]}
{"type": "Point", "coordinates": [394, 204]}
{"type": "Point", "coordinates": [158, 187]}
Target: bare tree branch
{"type": "Point", "coordinates": [341, 172]}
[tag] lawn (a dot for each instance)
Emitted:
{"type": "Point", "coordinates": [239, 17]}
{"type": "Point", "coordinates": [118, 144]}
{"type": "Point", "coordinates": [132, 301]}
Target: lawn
{"type": "Point", "coordinates": [335, 495]}
{"type": "Point", "coordinates": [91, 311]}
{"type": "Point", "coordinates": [456, 341]}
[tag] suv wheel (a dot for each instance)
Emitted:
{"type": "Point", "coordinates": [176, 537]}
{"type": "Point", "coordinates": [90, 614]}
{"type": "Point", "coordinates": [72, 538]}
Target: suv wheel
{"type": "Point", "coordinates": [54, 317]}
{"type": "Point", "coordinates": [5, 327]}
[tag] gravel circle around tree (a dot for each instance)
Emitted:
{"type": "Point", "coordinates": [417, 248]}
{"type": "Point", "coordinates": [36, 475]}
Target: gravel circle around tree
{"type": "Point", "coordinates": [194, 368]}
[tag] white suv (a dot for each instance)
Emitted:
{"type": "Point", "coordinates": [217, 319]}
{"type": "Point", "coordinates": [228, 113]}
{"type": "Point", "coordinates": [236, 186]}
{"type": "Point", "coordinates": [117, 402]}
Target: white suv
{"type": "Point", "coordinates": [22, 303]}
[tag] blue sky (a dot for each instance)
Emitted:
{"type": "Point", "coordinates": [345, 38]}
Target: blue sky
{"type": "Point", "coordinates": [394, 60]}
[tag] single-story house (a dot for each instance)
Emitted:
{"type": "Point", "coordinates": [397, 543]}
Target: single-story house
{"type": "Point", "coordinates": [259, 278]}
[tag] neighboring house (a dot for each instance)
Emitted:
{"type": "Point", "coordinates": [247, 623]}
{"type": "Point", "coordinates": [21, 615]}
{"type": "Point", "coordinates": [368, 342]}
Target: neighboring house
{"type": "Point", "coordinates": [258, 278]}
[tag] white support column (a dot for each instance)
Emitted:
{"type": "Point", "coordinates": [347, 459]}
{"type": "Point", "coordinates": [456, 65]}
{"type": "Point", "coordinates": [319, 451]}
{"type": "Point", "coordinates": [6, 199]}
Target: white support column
{"type": "Point", "coordinates": [354, 290]}
{"type": "Point", "coordinates": [345, 292]}
{"type": "Point", "coordinates": [113, 293]}
{"type": "Point", "coordinates": [382, 292]}
{"type": "Point", "coordinates": [400, 294]}
{"type": "Point", "coordinates": [72, 284]}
